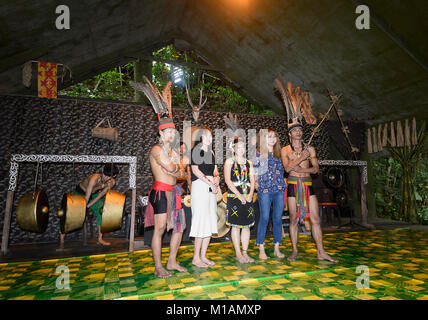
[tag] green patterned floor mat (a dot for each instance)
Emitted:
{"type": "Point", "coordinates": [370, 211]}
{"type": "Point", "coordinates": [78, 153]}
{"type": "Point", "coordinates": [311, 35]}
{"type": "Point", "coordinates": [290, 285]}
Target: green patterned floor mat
{"type": "Point", "coordinates": [394, 260]}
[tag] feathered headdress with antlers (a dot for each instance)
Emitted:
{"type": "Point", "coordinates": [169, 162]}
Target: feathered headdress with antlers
{"type": "Point", "coordinates": [161, 103]}
{"type": "Point", "coordinates": [232, 123]}
{"type": "Point", "coordinates": [292, 101]}
{"type": "Point", "coordinates": [196, 108]}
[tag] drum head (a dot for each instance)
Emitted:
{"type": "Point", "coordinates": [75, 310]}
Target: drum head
{"type": "Point", "coordinates": [32, 213]}
{"type": "Point", "coordinates": [112, 211]}
{"type": "Point", "coordinates": [74, 212]}
{"type": "Point", "coordinates": [222, 228]}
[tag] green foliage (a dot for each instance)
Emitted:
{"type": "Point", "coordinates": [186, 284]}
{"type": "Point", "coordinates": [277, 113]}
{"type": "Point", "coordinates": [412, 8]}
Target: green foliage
{"type": "Point", "coordinates": [402, 182]}
{"type": "Point", "coordinates": [387, 173]}
{"type": "Point", "coordinates": [114, 85]}
{"type": "Point", "coordinates": [110, 85]}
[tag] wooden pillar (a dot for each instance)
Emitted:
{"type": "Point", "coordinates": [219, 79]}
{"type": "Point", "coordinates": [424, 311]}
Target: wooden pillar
{"type": "Point", "coordinates": [131, 230]}
{"type": "Point", "coordinates": [85, 232]}
{"type": "Point", "coordinates": [364, 212]}
{"type": "Point", "coordinates": [6, 222]}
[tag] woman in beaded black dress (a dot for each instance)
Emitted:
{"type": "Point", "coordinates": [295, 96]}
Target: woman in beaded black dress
{"type": "Point", "coordinates": [239, 178]}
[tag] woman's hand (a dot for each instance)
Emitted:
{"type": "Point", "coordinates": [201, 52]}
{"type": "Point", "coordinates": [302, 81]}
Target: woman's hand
{"type": "Point", "coordinates": [216, 180]}
{"type": "Point", "coordinates": [214, 188]}
{"type": "Point", "coordinates": [249, 198]}
{"type": "Point", "coordinates": [242, 199]}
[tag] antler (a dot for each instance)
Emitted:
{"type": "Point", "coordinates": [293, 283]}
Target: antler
{"type": "Point", "coordinates": [188, 97]}
{"type": "Point", "coordinates": [201, 104]}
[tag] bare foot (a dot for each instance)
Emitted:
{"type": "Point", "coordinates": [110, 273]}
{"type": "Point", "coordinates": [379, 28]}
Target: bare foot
{"type": "Point", "coordinates": [175, 266]}
{"type": "Point", "coordinates": [207, 261]}
{"type": "Point", "coordinates": [325, 256]}
{"type": "Point", "coordinates": [263, 256]}
{"type": "Point", "coordinates": [162, 273]}
{"type": "Point", "coordinates": [200, 264]}
{"type": "Point", "coordinates": [61, 245]}
{"type": "Point", "coordinates": [279, 254]}
{"type": "Point", "coordinates": [247, 257]}
{"type": "Point", "coordinates": [293, 256]}
{"type": "Point", "coordinates": [241, 259]}
{"type": "Point", "coordinates": [104, 243]}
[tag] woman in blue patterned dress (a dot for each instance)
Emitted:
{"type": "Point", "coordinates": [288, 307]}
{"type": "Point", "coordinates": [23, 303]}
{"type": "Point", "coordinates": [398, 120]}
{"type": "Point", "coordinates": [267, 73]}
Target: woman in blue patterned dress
{"type": "Point", "coordinates": [270, 186]}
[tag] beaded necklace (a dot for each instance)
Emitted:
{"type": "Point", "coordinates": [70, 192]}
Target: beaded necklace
{"type": "Point", "coordinates": [241, 174]}
{"type": "Point", "coordinates": [303, 146]}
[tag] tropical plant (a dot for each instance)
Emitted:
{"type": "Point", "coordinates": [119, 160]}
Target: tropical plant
{"type": "Point", "coordinates": [409, 157]}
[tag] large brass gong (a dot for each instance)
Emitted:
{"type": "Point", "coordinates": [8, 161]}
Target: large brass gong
{"type": "Point", "coordinates": [32, 213]}
{"type": "Point", "coordinates": [112, 211]}
{"type": "Point", "coordinates": [222, 228]}
{"type": "Point", "coordinates": [72, 213]}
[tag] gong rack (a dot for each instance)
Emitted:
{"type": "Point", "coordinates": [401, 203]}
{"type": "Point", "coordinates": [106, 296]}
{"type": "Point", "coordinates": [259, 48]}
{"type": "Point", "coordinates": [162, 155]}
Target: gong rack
{"type": "Point", "coordinates": [364, 180]}
{"type": "Point", "coordinates": [40, 158]}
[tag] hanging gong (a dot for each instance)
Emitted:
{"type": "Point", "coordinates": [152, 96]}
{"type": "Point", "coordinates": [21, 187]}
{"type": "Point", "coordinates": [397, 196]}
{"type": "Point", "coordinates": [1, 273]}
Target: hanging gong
{"type": "Point", "coordinates": [342, 198]}
{"type": "Point", "coordinates": [222, 228]}
{"type": "Point", "coordinates": [72, 213]}
{"type": "Point", "coordinates": [32, 213]}
{"type": "Point", "coordinates": [112, 211]}
{"type": "Point", "coordinates": [334, 177]}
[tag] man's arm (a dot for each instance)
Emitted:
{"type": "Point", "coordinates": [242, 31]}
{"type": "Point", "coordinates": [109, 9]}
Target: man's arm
{"type": "Point", "coordinates": [314, 161]}
{"type": "Point", "coordinates": [163, 161]}
{"type": "Point", "coordinates": [91, 184]}
{"type": "Point", "coordinates": [293, 166]}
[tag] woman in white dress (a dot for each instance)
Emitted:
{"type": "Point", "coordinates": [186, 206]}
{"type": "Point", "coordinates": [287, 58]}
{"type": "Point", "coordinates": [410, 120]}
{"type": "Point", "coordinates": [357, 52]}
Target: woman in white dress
{"type": "Point", "coordinates": [205, 181]}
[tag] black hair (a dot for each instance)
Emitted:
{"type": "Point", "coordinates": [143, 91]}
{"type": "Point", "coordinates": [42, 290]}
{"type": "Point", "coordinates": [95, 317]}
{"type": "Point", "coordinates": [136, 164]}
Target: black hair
{"type": "Point", "coordinates": [110, 170]}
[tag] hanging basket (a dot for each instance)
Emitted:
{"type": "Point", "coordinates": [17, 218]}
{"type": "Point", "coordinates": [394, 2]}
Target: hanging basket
{"type": "Point", "coordinates": [105, 133]}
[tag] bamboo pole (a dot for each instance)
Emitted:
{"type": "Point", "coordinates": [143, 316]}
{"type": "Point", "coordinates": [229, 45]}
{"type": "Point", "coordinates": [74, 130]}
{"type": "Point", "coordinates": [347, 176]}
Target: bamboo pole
{"type": "Point", "coordinates": [375, 149]}
{"type": "Point", "coordinates": [400, 137]}
{"type": "Point", "coordinates": [385, 135]}
{"type": "Point", "coordinates": [414, 134]}
{"type": "Point", "coordinates": [393, 142]}
{"type": "Point", "coordinates": [407, 133]}
{"type": "Point", "coordinates": [379, 138]}
{"type": "Point", "coordinates": [369, 141]}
